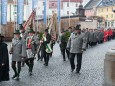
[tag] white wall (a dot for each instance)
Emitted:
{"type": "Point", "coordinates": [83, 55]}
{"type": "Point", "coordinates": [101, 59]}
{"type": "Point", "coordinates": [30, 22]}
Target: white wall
{"type": "Point", "coordinates": [28, 10]}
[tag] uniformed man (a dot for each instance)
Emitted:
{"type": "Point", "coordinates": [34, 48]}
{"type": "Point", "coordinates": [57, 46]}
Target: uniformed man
{"type": "Point", "coordinates": [63, 44]}
{"type": "Point", "coordinates": [91, 37]}
{"type": "Point", "coordinates": [44, 43]}
{"type": "Point", "coordinates": [76, 44]}
{"type": "Point", "coordinates": [16, 51]}
{"type": "Point", "coordinates": [31, 50]}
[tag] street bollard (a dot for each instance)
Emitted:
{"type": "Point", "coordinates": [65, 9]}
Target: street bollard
{"type": "Point", "coordinates": [109, 68]}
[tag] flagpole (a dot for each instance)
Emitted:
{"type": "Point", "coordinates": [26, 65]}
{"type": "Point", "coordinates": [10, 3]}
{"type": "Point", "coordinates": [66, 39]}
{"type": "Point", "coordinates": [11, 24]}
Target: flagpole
{"type": "Point", "coordinates": [59, 21]}
{"type": "Point", "coordinates": [26, 9]}
{"type": "Point", "coordinates": [0, 17]}
{"type": "Point", "coordinates": [14, 14]}
{"type": "Point", "coordinates": [69, 13]}
{"type": "Point", "coordinates": [48, 12]}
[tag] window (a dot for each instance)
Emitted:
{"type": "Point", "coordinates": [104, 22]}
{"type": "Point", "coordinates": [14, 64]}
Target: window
{"type": "Point", "coordinates": [99, 10]}
{"type": "Point", "coordinates": [76, 4]}
{"type": "Point", "coordinates": [112, 9]}
{"type": "Point", "coordinates": [102, 10]}
{"type": "Point", "coordinates": [107, 9]}
{"type": "Point", "coordinates": [112, 16]}
{"type": "Point", "coordinates": [112, 23]}
{"type": "Point", "coordinates": [15, 5]}
{"type": "Point", "coordinates": [14, 12]}
{"type": "Point", "coordinates": [106, 16]}
{"type": "Point", "coordinates": [68, 12]}
{"type": "Point", "coordinates": [52, 4]}
{"type": "Point", "coordinates": [43, 3]}
{"type": "Point", "coordinates": [67, 4]}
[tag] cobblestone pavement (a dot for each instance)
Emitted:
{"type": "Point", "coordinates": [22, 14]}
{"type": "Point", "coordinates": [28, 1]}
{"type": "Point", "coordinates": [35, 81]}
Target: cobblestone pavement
{"type": "Point", "coordinates": [58, 72]}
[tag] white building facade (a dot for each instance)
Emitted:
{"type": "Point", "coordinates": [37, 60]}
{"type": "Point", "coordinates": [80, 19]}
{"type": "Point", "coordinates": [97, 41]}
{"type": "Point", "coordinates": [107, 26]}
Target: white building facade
{"type": "Point", "coordinates": [67, 8]}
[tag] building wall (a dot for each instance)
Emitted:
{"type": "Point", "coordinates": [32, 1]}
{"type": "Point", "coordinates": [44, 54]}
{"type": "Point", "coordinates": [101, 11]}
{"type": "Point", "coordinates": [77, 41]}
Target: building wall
{"type": "Point", "coordinates": [89, 13]}
{"type": "Point", "coordinates": [108, 15]}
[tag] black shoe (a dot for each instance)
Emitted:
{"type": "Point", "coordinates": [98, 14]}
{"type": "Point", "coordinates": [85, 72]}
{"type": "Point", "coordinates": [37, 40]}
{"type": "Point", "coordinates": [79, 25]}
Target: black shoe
{"type": "Point", "coordinates": [77, 72]}
{"type": "Point", "coordinates": [72, 70]}
{"type": "Point", "coordinates": [64, 60]}
{"type": "Point", "coordinates": [30, 73]}
{"type": "Point", "coordinates": [17, 79]}
{"type": "Point", "coordinates": [14, 76]}
{"type": "Point", "coordinates": [46, 65]}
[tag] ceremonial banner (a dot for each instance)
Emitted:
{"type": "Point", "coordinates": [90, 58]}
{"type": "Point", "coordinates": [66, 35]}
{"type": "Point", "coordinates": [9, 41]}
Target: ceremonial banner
{"type": "Point", "coordinates": [4, 11]}
{"type": "Point", "coordinates": [30, 19]}
{"type": "Point", "coordinates": [20, 11]}
{"type": "Point", "coordinates": [58, 11]}
{"type": "Point", "coordinates": [45, 16]}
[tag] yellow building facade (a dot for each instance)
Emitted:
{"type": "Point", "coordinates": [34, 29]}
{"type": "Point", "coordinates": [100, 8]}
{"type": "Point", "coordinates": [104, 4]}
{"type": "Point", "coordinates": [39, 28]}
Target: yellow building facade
{"type": "Point", "coordinates": [106, 12]}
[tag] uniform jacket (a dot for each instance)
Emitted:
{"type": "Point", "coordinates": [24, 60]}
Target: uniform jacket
{"type": "Point", "coordinates": [48, 39]}
{"type": "Point", "coordinates": [33, 44]}
{"type": "Point", "coordinates": [77, 43]}
{"type": "Point", "coordinates": [18, 46]}
{"type": "Point", "coordinates": [63, 42]}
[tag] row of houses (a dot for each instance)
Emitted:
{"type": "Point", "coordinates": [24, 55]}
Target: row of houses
{"type": "Point", "coordinates": [104, 9]}
{"type": "Point", "coordinates": [68, 7]}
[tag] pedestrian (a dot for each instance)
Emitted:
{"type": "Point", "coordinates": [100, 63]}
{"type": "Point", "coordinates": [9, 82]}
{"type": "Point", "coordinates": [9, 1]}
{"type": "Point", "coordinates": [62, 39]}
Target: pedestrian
{"type": "Point", "coordinates": [76, 44]}
{"type": "Point", "coordinates": [4, 60]}
{"type": "Point", "coordinates": [46, 40]}
{"type": "Point", "coordinates": [16, 51]}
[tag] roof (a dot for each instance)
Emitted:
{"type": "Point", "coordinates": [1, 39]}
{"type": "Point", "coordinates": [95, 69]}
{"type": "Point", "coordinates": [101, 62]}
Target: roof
{"type": "Point", "coordinates": [105, 3]}
{"type": "Point", "coordinates": [91, 4]}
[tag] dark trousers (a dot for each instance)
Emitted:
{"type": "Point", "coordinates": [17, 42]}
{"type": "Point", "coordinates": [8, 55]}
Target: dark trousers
{"type": "Point", "coordinates": [63, 53]}
{"type": "Point", "coordinates": [46, 57]}
{"type": "Point", "coordinates": [30, 63]}
{"type": "Point", "coordinates": [39, 55]}
{"type": "Point", "coordinates": [79, 61]}
{"type": "Point", "coordinates": [16, 69]}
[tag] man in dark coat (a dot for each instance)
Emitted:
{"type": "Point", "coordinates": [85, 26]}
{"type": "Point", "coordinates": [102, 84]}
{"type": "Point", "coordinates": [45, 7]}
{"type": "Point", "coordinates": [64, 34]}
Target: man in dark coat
{"type": "Point", "coordinates": [63, 45]}
{"type": "Point", "coordinates": [4, 61]}
{"type": "Point", "coordinates": [44, 46]}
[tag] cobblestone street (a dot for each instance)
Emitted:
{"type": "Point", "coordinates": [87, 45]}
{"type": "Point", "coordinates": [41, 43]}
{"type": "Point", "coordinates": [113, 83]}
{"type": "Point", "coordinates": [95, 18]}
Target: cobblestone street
{"type": "Point", "coordinates": [58, 72]}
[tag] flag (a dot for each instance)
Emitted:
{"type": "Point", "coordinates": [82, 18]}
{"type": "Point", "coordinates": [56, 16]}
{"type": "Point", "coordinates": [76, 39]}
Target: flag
{"type": "Point", "coordinates": [30, 20]}
{"type": "Point", "coordinates": [20, 11]}
{"type": "Point", "coordinates": [45, 16]}
{"type": "Point", "coordinates": [4, 12]}
{"type": "Point", "coordinates": [58, 11]}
